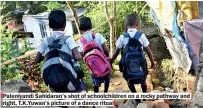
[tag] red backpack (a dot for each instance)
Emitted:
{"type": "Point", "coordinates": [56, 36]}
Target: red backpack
{"type": "Point", "coordinates": [96, 61]}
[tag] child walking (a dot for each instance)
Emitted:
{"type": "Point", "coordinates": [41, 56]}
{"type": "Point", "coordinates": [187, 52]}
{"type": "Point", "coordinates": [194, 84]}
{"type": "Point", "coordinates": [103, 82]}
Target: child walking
{"type": "Point", "coordinates": [95, 54]}
{"type": "Point", "coordinates": [60, 50]}
{"type": "Point", "coordinates": [133, 64]}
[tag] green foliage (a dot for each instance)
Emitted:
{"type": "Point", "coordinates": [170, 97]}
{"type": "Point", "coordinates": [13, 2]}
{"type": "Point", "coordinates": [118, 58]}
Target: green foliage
{"type": "Point", "coordinates": [34, 7]}
{"type": "Point", "coordinates": [10, 50]}
{"type": "Point", "coordinates": [87, 77]}
{"type": "Point", "coordinates": [95, 10]}
{"type": "Point", "coordinates": [125, 8]}
{"type": "Point", "coordinates": [52, 5]}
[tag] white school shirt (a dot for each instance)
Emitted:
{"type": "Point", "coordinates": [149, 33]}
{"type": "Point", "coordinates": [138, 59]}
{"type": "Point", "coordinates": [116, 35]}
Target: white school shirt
{"type": "Point", "coordinates": [99, 39]}
{"type": "Point", "coordinates": [70, 42]}
{"type": "Point", "coordinates": [123, 41]}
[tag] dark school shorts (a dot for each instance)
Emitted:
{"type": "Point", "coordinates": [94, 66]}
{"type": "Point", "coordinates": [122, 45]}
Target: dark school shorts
{"type": "Point", "coordinates": [97, 81]}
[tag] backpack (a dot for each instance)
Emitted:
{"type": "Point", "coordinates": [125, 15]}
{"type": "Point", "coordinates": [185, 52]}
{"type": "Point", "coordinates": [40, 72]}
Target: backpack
{"type": "Point", "coordinates": [95, 60]}
{"type": "Point", "coordinates": [133, 62]}
{"type": "Point", "coordinates": [58, 69]}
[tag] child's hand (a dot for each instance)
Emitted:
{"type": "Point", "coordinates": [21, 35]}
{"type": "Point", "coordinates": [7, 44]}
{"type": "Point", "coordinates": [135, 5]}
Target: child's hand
{"type": "Point", "coordinates": [30, 63]}
{"type": "Point", "coordinates": [111, 63]}
{"type": "Point", "coordinates": [110, 60]}
{"type": "Point", "coordinates": [154, 66]}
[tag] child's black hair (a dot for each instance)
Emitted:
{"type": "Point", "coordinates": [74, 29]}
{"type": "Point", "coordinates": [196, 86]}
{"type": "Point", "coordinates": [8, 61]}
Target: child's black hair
{"type": "Point", "coordinates": [85, 24]}
{"type": "Point", "coordinates": [131, 20]}
{"type": "Point", "coordinates": [57, 19]}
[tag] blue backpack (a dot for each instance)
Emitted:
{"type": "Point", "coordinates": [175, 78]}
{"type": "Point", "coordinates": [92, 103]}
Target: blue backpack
{"type": "Point", "coordinates": [133, 63]}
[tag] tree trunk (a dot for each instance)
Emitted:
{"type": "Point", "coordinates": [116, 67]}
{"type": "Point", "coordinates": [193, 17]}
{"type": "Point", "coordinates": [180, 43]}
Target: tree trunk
{"type": "Point", "coordinates": [74, 16]}
{"type": "Point", "coordinates": [114, 25]}
{"type": "Point", "coordinates": [111, 24]}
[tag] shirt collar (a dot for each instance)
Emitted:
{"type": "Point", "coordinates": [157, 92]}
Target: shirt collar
{"type": "Point", "coordinates": [132, 30]}
{"type": "Point", "coordinates": [58, 33]}
{"type": "Point", "coordinates": [87, 33]}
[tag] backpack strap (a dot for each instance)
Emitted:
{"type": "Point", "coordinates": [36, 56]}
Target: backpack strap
{"type": "Point", "coordinates": [50, 39]}
{"type": "Point", "coordinates": [126, 34]}
{"type": "Point", "coordinates": [137, 35]}
{"type": "Point", "coordinates": [93, 35]}
{"type": "Point", "coordinates": [56, 43]}
{"type": "Point", "coordinates": [63, 39]}
{"type": "Point", "coordinates": [84, 41]}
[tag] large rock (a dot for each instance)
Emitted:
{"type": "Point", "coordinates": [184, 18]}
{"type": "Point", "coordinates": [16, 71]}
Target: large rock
{"type": "Point", "coordinates": [200, 66]}
{"type": "Point", "coordinates": [121, 106]}
{"type": "Point", "coordinates": [201, 58]}
{"type": "Point", "coordinates": [201, 73]}
{"type": "Point", "coordinates": [198, 99]}
{"type": "Point", "coordinates": [130, 104]}
{"type": "Point", "coordinates": [190, 80]}
{"type": "Point", "coordinates": [142, 105]}
{"type": "Point", "coordinates": [200, 84]}
{"type": "Point", "coordinates": [162, 105]}
{"type": "Point", "coordinates": [148, 104]}
{"type": "Point", "coordinates": [15, 86]}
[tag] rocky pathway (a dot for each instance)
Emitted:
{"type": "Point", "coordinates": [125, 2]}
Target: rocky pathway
{"type": "Point", "coordinates": [118, 85]}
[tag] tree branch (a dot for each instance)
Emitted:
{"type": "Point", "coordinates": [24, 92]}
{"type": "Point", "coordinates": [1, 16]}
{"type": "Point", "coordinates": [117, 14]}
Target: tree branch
{"type": "Point", "coordinates": [143, 8]}
{"type": "Point", "coordinates": [74, 15]}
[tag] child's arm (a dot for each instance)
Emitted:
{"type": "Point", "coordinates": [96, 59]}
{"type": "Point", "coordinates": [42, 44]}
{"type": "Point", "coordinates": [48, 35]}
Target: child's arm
{"type": "Point", "coordinates": [149, 53]}
{"type": "Point", "coordinates": [38, 58]}
{"type": "Point", "coordinates": [41, 50]}
{"type": "Point", "coordinates": [105, 49]}
{"type": "Point", "coordinates": [115, 55]}
{"type": "Point", "coordinates": [76, 54]}
{"type": "Point", "coordinates": [74, 47]}
{"type": "Point", "coordinates": [119, 46]}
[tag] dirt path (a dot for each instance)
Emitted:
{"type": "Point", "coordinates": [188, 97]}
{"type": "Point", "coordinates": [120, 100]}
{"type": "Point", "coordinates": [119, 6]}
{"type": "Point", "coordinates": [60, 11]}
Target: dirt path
{"type": "Point", "coordinates": [119, 85]}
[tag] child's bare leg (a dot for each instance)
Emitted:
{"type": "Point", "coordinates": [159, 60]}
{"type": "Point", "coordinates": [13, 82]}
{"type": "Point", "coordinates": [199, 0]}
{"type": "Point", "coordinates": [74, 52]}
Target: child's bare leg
{"type": "Point", "coordinates": [96, 89]}
{"type": "Point", "coordinates": [106, 87]}
{"type": "Point", "coordinates": [133, 90]}
{"type": "Point", "coordinates": [144, 87]}
{"type": "Point", "coordinates": [131, 87]}
{"type": "Point", "coordinates": [106, 83]}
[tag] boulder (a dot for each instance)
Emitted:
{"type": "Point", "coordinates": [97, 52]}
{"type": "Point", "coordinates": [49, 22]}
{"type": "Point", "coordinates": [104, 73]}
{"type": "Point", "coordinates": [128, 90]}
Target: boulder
{"type": "Point", "coordinates": [15, 86]}
{"type": "Point", "coordinates": [147, 104]}
{"type": "Point", "coordinates": [142, 105]}
{"type": "Point", "coordinates": [190, 80]}
{"type": "Point", "coordinates": [201, 73]}
{"type": "Point", "coordinates": [201, 58]}
{"type": "Point", "coordinates": [121, 106]}
{"type": "Point", "coordinates": [162, 105]}
{"type": "Point", "coordinates": [200, 84]}
{"type": "Point", "coordinates": [198, 99]}
{"type": "Point", "coordinates": [200, 66]}
{"type": "Point", "coordinates": [130, 104]}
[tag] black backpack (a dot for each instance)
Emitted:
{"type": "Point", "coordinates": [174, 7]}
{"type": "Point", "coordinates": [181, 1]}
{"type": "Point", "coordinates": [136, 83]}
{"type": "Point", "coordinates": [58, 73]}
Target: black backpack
{"type": "Point", "coordinates": [133, 63]}
{"type": "Point", "coordinates": [58, 68]}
